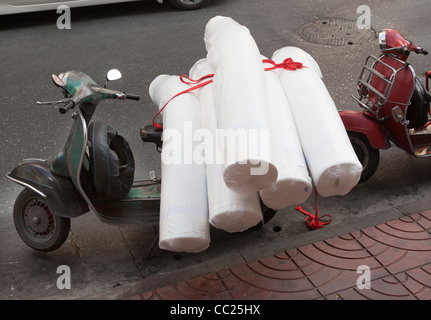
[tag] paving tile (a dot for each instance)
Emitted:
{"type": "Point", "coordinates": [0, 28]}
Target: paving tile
{"type": "Point", "coordinates": [329, 280]}
{"type": "Point", "coordinates": [348, 294]}
{"type": "Point", "coordinates": [421, 277]}
{"type": "Point", "coordinates": [406, 226]}
{"type": "Point", "coordinates": [264, 282]}
{"type": "Point", "coordinates": [424, 220]}
{"type": "Point", "coordinates": [286, 269]}
{"type": "Point", "coordinates": [237, 288]}
{"type": "Point", "coordinates": [330, 248]}
{"type": "Point", "coordinates": [370, 244]}
{"type": "Point", "coordinates": [257, 294]}
{"type": "Point", "coordinates": [203, 288]}
{"type": "Point", "coordinates": [397, 252]}
{"type": "Point", "coordinates": [321, 254]}
{"type": "Point", "coordinates": [387, 288]}
{"type": "Point", "coordinates": [417, 241]}
{"type": "Point", "coordinates": [168, 293]}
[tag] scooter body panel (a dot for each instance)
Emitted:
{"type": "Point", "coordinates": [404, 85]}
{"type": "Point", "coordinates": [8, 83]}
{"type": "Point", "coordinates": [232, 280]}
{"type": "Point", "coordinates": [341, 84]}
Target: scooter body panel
{"type": "Point", "coordinates": [142, 205]}
{"type": "Point", "coordinates": [399, 97]}
{"type": "Point", "coordinates": [358, 122]}
{"type": "Point", "coordinates": [59, 191]}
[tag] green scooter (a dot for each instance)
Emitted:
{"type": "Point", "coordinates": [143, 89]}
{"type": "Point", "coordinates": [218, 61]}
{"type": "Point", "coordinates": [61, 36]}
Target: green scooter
{"type": "Point", "coordinates": [93, 172]}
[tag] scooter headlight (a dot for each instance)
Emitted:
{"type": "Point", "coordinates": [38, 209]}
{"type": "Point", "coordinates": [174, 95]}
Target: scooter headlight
{"type": "Point", "coordinates": [382, 41]}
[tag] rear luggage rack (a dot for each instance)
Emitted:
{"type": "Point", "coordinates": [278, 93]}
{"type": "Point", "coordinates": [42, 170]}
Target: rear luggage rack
{"type": "Point", "coordinates": [365, 84]}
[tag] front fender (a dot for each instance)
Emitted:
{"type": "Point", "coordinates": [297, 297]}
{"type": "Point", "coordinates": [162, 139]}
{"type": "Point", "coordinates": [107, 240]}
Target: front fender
{"type": "Point", "coordinates": [61, 195]}
{"type": "Point", "coordinates": [358, 122]}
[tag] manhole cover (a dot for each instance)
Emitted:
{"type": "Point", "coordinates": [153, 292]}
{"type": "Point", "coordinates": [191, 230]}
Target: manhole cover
{"type": "Point", "coordinates": [335, 32]}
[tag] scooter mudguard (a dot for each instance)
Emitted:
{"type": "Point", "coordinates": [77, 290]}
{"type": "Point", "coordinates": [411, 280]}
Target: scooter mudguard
{"type": "Point", "coordinates": [61, 195]}
{"type": "Point", "coordinates": [358, 122]}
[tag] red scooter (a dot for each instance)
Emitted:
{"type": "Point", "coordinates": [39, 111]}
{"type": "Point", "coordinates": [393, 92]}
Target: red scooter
{"type": "Point", "coordinates": [395, 105]}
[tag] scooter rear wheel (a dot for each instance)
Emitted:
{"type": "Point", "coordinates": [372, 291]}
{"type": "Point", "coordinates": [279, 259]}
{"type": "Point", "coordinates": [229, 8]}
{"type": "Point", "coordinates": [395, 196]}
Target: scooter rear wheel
{"type": "Point", "coordinates": [36, 225]}
{"type": "Point", "coordinates": [188, 4]}
{"type": "Point", "coordinates": [368, 156]}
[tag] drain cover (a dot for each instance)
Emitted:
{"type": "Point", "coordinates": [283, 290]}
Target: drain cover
{"type": "Point", "coordinates": [335, 32]}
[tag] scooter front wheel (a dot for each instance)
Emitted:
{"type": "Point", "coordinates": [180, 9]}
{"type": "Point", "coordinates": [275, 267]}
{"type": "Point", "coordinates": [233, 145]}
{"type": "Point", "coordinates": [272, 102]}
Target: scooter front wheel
{"type": "Point", "coordinates": [368, 156]}
{"type": "Point", "coordinates": [36, 225]}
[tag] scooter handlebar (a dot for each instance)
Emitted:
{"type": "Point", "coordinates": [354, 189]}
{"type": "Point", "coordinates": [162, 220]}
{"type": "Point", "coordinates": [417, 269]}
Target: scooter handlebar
{"type": "Point", "coordinates": [420, 50]}
{"type": "Point", "coordinates": [405, 50]}
{"type": "Point", "coordinates": [132, 96]}
{"type": "Point", "coordinates": [67, 107]}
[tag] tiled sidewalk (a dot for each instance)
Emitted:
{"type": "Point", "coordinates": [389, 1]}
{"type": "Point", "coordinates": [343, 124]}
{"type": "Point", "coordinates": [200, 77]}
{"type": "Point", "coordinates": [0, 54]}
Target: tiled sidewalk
{"type": "Point", "coordinates": [397, 253]}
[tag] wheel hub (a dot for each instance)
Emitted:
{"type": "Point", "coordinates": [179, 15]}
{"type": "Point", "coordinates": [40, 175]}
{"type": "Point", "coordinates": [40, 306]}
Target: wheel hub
{"type": "Point", "coordinates": [39, 218]}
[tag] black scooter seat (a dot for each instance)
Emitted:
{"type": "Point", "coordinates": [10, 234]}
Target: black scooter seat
{"type": "Point", "coordinates": [426, 95]}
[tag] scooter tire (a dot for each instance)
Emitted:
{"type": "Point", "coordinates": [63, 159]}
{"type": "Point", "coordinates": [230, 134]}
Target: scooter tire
{"type": "Point", "coordinates": [36, 225]}
{"type": "Point", "coordinates": [368, 156]}
{"type": "Point", "coordinates": [187, 5]}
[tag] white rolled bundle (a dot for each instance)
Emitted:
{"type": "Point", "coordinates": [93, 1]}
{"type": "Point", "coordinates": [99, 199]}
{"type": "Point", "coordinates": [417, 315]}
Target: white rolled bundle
{"type": "Point", "coordinates": [240, 99]}
{"type": "Point", "coordinates": [184, 223]}
{"type": "Point", "coordinates": [293, 185]}
{"type": "Point", "coordinates": [228, 210]}
{"type": "Point", "coordinates": [332, 162]}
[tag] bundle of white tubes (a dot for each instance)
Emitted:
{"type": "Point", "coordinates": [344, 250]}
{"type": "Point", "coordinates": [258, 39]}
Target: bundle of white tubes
{"type": "Point", "coordinates": [248, 136]}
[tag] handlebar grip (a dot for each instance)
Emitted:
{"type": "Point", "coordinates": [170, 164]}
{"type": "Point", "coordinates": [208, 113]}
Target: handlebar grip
{"type": "Point", "coordinates": [67, 107]}
{"type": "Point", "coordinates": [405, 51]}
{"type": "Point", "coordinates": [133, 97]}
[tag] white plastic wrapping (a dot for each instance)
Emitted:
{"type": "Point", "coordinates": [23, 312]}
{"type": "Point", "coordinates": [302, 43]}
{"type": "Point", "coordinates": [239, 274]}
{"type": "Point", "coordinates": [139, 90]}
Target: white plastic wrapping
{"type": "Point", "coordinates": [240, 99]}
{"type": "Point", "coordinates": [228, 210]}
{"type": "Point", "coordinates": [293, 185]}
{"type": "Point", "coordinates": [184, 223]}
{"type": "Point", "coordinates": [331, 160]}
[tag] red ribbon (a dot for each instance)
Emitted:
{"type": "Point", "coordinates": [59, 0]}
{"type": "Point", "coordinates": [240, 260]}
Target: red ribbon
{"type": "Point", "coordinates": [188, 81]}
{"type": "Point", "coordinates": [312, 221]}
{"type": "Point", "coordinates": [287, 64]}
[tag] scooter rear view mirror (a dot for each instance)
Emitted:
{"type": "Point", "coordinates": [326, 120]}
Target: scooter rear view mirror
{"type": "Point", "coordinates": [113, 74]}
{"type": "Point", "coordinates": [57, 81]}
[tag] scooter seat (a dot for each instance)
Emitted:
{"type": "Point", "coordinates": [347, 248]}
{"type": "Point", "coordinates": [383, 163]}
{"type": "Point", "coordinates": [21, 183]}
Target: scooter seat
{"type": "Point", "coordinates": [417, 111]}
{"type": "Point", "coordinates": [424, 91]}
{"type": "Point", "coordinates": [151, 134]}
{"type": "Point", "coordinates": [111, 161]}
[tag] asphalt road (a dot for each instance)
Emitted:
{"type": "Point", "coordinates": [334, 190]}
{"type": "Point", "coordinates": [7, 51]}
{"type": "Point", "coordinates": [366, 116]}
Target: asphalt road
{"type": "Point", "coordinates": [144, 40]}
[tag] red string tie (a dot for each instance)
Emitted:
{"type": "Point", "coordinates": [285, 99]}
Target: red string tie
{"type": "Point", "coordinates": [287, 64]}
{"type": "Point", "coordinates": [312, 221]}
{"type": "Point", "coordinates": [186, 80]}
